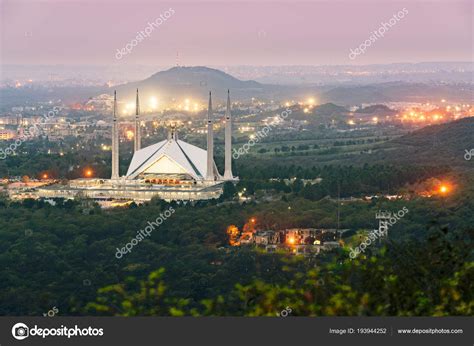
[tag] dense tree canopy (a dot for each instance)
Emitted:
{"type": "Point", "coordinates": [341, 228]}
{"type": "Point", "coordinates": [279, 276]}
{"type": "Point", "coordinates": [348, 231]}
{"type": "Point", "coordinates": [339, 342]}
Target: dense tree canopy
{"type": "Point", "coordinates": [64, 256]}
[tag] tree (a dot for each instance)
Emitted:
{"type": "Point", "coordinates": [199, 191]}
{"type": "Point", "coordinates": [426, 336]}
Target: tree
{"type": "Point", "coordinates": [229, 190]}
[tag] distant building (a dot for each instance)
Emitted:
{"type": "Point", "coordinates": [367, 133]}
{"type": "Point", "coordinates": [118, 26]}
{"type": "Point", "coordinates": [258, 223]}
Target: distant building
{"type": "Point", "coordinates": [10, 120]}
{"type": "Point", "coordinates": [6, 135]}
{"type": "Point", "coordinates": [300, 241]}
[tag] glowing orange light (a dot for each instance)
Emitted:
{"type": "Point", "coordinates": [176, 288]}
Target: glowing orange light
{"type": "Point", "coordinates": [45, 176]}
{"type": "Point", "coordinates": [291, 240]}
{"type": "Point", "coordinates": [252, 220]}
{"type": "Point", "coordinates": [443, 189]}
{"type": "Point", "coordinates": [88, 173]}
{"type": "Point", "coordinates": [233, 233]}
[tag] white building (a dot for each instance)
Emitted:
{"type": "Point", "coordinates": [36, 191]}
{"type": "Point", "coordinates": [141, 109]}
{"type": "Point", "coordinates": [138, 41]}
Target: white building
{"type": "Point", "coordinates": [170, 169]}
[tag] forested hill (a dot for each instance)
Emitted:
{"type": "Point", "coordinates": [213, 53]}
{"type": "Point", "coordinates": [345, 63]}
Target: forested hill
{"type": "Point", "coordinates": [432, 145]}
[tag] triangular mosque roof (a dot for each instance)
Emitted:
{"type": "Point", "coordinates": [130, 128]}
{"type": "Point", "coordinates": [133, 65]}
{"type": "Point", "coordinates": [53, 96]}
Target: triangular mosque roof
{"type": "Point", "coordinates": [170, 156]}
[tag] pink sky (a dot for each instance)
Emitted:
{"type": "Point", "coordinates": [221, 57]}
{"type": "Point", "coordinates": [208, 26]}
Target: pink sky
{"type": "Point", "coordinates": [233, 32]}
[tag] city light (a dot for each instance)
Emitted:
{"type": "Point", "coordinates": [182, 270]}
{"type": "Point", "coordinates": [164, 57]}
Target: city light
{"type": "Point", "coordinates": [233, 233]}
{"type": "Point", "coordinates": [153, 102]}
{"type": "Point", "coordinates": [88, 173]}
{"type": "Point", "coordinates": [444, 189]}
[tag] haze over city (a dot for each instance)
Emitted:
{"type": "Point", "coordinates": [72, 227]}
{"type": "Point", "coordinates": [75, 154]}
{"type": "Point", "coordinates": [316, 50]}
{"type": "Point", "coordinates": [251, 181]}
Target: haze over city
{"type": "Point", "coordinates": [233, 33]}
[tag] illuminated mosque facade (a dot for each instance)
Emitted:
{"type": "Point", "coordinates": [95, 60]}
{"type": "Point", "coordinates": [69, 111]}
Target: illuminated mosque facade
{"type": "Point", "coordinates": [171, 169]}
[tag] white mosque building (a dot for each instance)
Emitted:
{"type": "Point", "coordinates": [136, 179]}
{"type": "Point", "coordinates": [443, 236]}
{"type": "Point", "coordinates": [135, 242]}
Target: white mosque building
{"type": "Point", "coordinates": [170, 169]}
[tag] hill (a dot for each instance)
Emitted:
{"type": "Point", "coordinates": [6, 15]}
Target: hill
{"type": "Point", "coordinates": [355, 95]}
{"type": "Point", "coordinates": [396, 91]}
{"type": "Point", "coordinates": [434, 145]}
{"type": "Point", "coordinates": [193, 82]}
{"type": "Point", "coordinates": [321, 114]}
{"type": "Point", "coordinates": [376, 109]}
{"type": "Point", "coordinates": [329, 109]}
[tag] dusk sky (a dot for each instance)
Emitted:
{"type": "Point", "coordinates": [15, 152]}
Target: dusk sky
{"type": "Point", "coordinates": [233, 33]}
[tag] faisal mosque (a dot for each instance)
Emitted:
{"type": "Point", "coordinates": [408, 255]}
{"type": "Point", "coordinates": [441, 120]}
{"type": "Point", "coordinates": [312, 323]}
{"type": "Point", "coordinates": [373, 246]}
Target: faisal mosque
{"type": "Point", "coordinates": [170, 170]}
